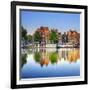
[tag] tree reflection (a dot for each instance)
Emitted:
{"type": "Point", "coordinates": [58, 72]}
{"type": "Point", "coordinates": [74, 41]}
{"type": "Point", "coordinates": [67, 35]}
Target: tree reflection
{"type": "Point", "coordinates": [53, 57]}
{"type": "Point", "coordinates": [23, 59]}
{"type": "Point", "coordinates": [37, 56]}
{"type": "Point", "coordinates": [44, 57]}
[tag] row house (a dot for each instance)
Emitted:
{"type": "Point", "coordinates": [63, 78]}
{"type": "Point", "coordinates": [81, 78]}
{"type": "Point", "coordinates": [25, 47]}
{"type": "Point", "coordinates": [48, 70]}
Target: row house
{"type": "Point", "coordinates": [73, 37]}
{"type": "Point", "coordinates": [44, 32]}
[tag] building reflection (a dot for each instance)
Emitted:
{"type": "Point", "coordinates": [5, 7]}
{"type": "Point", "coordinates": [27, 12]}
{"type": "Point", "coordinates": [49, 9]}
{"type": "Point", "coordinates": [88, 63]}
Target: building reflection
{"type": "Point", "coordinates": [73, 55]}
{"type": "Point", "coordinates": [44, 57]}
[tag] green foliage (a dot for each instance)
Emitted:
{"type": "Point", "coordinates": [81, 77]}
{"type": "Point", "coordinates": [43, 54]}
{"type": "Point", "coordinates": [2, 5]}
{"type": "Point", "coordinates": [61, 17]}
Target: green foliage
{"type": "Point", "coordinates": [24, 33]}
{"type": "Point", "coordinates": [29, 37]}
{"type": "Point", "coordinates": [37, 56]}
{"type": "Point", "coordinates": [37, 36]}
{"type": "Point", "coordinates": [24, 37]}
{"type": "Point", "coordinates": [23, 59]}
{"type": "Point", "coordinates": [53, 37]}
{"type": "Point", "coordinates": [53, 57]}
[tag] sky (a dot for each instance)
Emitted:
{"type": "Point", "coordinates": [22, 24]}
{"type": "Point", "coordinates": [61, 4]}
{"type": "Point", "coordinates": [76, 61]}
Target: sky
{"type": "Point", "coordinates": [31, 20]}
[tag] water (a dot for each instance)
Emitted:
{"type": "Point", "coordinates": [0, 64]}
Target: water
{"type": "Point", "coordinates": [50, 62]}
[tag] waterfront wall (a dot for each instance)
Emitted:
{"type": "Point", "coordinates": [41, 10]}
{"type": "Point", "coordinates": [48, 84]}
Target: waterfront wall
{"type": "Point", "coordinates": [47, 45]}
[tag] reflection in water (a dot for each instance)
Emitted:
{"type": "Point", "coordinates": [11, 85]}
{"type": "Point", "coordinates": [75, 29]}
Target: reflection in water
{"type": "Point", "coordinates": [58, 62]}
{"type": "Point", "coordinates": [44, 57]}
{"type": "Point", "coordinates": [37, 56]}
{"type": "Point", "coordinates": [53, 57]}
{"type": "Point", "coordinates": [23, 59]}
{"type": "Point", "coordinates": [71, 55]}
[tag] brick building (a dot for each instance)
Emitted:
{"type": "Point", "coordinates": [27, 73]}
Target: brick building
{"type": "Point", "coordinates": [44, 32]}
{"type": "Point", "coordinates": [73, 37]}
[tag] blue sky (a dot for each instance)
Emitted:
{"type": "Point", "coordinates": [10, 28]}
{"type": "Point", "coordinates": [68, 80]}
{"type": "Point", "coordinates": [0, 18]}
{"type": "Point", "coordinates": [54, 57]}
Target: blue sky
{"type": "Point", "coordinates": [31, 20]}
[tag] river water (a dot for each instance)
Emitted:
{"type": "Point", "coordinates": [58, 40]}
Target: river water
{"type": "Point", "coordinates": [50, 62]}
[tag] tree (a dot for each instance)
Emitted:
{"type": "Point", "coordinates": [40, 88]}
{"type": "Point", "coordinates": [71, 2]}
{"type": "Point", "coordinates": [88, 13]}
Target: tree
{"type": "Point", "coordinates": [53, 36]}
{"type": "Point", "coordinates": [37, 36]}
{"type": "Point", "coordinates": [29, 37]}
{"type": "Point", "coordinates": [24, 37]}
{"type": "Point", "coordinates": [23, 33]}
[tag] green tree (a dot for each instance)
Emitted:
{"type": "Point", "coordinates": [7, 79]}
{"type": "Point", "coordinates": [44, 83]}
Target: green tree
{"type": "Point", "coordinates": [37, 36]}
{"type": "Point", "coordinates": [29, 37]}
{"type": "Point", "coordinates": [24, 37]}
{"type": "Point", "coordinates": [53, 36]}
{"type": "Point", "coordinates": [24, 33]}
